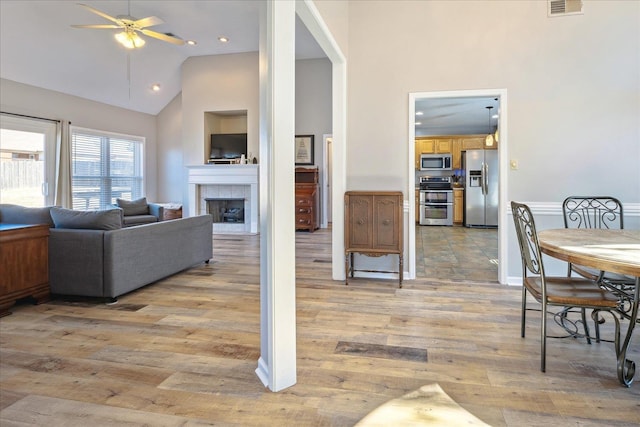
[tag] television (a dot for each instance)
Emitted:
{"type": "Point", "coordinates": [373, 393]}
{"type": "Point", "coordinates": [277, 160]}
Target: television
{"type": "Point", "coordinates": [228, 145]}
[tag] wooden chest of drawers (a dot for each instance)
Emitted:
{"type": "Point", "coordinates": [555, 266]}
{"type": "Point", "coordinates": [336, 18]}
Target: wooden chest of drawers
{"type": "Point", "coordinates": [307, 215]}
{"type": "Point", "coordinates": [24, 264]}
{"type": "Point", "coordinates": [307, 199]}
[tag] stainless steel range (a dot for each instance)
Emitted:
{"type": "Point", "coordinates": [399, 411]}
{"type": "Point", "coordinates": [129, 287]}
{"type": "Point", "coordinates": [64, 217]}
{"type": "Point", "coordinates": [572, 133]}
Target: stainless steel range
{"type": "Point", "coordinates": [436, 200]}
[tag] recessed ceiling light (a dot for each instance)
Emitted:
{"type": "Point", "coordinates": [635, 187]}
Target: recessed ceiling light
{"type": "Point", "coordinates": [418, 123]}
{"type": "Point", "coordinates": [223, 39]}
{"type": "Point", "coordinates": [155, 87]}
{"type": "Point", "coordinates": [192, 42]}
{"type": "Point", "coordinates": [419, 113]}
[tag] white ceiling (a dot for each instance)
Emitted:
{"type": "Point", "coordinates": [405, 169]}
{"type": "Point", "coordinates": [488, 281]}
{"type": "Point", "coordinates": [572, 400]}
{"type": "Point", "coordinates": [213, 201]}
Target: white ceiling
{"type": "Point", "coordinates": [456, 116]}
{"type": "Point", "coordinates": [39, 47]}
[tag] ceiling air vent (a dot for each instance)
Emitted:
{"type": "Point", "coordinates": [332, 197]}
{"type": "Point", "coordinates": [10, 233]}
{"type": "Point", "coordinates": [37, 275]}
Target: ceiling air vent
{"type": "Point", "coordinates": [564, 7]}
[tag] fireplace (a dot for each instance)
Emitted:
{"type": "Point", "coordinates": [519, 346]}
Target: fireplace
{"type": "Point", "coordinates": [226, 210]}
{"type": "Point", "coordinates": [237, 184]}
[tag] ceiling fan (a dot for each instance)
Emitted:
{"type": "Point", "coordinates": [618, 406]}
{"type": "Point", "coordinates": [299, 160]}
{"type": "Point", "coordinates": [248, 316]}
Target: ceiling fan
{"type": "Point", "coordinates": [130, 26]}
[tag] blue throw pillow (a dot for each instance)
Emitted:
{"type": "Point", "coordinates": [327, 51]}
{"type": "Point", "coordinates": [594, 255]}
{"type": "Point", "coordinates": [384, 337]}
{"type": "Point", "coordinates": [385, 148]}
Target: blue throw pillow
{"type": "Point", "coordinates": [110, 219]}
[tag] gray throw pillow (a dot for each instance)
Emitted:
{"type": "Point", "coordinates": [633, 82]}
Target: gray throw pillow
{"type": "Point", "coordinates": [110, 219]}
{"type": "Point", "coordinates": [134, 207]}
{"type": "Point", "coordinates": [16, 214]}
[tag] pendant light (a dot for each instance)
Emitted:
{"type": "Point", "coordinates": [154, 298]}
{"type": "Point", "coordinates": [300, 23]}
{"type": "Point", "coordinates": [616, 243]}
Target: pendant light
{"type": "Point", "coordinates": [489, 139]}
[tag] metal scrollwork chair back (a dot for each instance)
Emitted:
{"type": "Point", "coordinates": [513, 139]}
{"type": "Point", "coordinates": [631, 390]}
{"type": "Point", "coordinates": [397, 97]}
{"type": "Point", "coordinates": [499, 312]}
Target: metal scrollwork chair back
{"type": "Point", "coordinates": [595, 212]}
{"type": "Point", "coordinates": [561, 291]}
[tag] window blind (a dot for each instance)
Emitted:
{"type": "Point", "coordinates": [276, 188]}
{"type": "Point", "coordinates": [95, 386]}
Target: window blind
{"type": "Point", "coordinates": [105, 167]}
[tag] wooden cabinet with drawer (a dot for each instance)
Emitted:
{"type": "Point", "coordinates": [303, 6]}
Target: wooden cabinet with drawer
{"type": "Point", "coordinates": [307, 199]}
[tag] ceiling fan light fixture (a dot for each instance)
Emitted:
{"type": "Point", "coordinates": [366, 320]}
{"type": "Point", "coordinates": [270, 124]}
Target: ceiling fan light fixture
{"type": "Point", "coordinates": [192, 42]}
{"type": "Point", "coordinates": [130, 39]}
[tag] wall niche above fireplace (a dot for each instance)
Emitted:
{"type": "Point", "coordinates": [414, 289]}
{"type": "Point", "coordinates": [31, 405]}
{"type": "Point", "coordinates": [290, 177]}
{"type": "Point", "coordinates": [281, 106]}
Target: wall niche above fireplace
{"type": "Point", "coordinates": [224, 122]}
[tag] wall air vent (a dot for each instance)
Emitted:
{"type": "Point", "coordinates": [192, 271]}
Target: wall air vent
{"type": "Point", "coordinates": [564, 7]}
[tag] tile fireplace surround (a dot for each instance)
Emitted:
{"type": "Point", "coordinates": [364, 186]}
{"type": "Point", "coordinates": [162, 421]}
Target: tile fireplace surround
{"type": "Point", "coordinates": [225, 181]}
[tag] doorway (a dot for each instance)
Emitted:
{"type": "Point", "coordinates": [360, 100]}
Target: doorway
{"type": "Point", "coordinates": [482, 125]}
{"type": "Point", "coordinates": [27, 153]}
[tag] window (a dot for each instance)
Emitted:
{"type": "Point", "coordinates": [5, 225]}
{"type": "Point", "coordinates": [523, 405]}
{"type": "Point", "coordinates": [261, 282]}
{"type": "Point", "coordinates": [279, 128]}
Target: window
{"type": "Point", "coordinates": [105, 167]}
{"type": "Point", "coordinates": [27, 163]}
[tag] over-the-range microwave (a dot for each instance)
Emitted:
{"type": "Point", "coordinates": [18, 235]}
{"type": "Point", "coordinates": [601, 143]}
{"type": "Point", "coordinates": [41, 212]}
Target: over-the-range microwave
{"type": "Point", "coordinates": [430, 162]}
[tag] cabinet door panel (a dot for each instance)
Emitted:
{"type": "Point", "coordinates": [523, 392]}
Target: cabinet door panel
{"type": "Point", "coordinates": [361, 220]}
{"type": "Point", "coordinates": [386, 222]}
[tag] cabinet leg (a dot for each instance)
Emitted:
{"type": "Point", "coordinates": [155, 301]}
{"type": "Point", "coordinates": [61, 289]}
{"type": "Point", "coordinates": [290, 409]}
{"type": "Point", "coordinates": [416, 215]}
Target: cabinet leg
{"type": "Point", "coordinates": [346, 269]}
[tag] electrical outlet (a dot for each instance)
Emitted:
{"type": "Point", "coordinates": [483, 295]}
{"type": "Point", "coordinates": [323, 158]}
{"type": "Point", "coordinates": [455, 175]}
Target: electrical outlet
{"type": "Point", "coordinates": [514, 164]}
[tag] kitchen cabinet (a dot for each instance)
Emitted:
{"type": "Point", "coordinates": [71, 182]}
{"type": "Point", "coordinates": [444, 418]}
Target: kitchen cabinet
{"type": "Point", "coordinates": [417, 205]}
{"type": "Point", "coordinates": [453, 144]}
{"type": "Point", "coordinates": [472, 143]}
{"type": "Point", "coordinates": [307, 199]}
{"type": "Point", "coordinates": [373, 227]}
{"type": "Point", "coordinates": [431, 145]}
{"type": "Point", "coordinates": [458, 206]}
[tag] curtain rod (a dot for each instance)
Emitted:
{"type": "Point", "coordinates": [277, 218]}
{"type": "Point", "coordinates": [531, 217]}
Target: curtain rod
{"type": "Point", "coordinates": [30, 117]}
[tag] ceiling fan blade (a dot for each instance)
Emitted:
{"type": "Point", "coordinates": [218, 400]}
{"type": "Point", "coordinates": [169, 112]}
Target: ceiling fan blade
{"type": "Point", "coordinates": [148, 22]}
{"type": "Point", "coordinates": [97, 12]}
{"type": "Point", "coordinates": [97, 26]}
{"type": "Point", "coordinates": [163, 37]}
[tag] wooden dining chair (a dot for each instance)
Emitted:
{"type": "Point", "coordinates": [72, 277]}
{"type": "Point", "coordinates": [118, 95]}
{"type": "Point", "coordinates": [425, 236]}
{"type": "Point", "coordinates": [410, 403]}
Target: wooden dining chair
{"type": "Point", "coordinates": [560, 291]}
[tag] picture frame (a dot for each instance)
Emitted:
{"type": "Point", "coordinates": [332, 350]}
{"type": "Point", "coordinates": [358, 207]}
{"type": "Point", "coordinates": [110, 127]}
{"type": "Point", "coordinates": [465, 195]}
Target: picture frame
{"type": "Point", "coordinates": [304, 149]}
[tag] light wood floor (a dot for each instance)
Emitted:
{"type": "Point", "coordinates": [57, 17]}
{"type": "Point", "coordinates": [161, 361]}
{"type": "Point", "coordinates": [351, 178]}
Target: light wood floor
{"type": "Point", "coordinates": [183, 351]}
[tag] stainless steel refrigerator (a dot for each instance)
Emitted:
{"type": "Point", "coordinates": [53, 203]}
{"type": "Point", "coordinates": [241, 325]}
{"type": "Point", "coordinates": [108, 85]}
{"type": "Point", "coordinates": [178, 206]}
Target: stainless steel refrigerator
{"type": "Point", "coordinates": [481, 188]}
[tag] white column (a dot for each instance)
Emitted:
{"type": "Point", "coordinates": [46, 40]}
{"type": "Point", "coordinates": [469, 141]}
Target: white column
{"type": "Point", "coordinates": [277, 364]}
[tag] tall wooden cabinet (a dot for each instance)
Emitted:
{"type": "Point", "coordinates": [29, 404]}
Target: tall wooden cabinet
{"type": "Point", "coordinates": [373, 227]}
{"type": "Point", "coordinates": [307, 199]}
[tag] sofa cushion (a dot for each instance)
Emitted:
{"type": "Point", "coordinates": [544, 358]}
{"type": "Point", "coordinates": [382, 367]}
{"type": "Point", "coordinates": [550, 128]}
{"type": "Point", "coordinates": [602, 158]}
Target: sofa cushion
{"type": "Point", "coordinates": [16, 214]}
{"type": "Point", "coordinates": [132, 220]}
{"type": "Point", "coordinates": [134, 207]}
{"type": "Point", "coordinates": [110, 219]}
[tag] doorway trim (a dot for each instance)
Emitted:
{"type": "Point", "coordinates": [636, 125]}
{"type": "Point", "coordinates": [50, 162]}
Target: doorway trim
{"type": "Point", "coordinates": [501, 94]}
{"type": "Point", "coordinates": [325, 178]}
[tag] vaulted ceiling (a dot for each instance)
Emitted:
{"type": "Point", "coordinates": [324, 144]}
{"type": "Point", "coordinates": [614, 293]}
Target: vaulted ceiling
{"type": "Point", "coordinates": [40, 48]}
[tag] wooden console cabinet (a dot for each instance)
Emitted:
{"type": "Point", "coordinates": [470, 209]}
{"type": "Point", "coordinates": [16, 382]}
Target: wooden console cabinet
{"type": "Point", "coordinates": [373, 227]}
{"type": "Point", "coordinates": [307, 199]}
{"type": "Point", "coordinates": [24, 264]}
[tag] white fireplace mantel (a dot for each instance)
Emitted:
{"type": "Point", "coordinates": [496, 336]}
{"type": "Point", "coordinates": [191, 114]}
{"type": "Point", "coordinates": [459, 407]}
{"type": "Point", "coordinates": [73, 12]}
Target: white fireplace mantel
{"type": "Point", "coordinates": [225, 175]}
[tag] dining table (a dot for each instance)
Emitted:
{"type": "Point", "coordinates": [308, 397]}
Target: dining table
{"type": "Point", "coordinates": [611, 250]}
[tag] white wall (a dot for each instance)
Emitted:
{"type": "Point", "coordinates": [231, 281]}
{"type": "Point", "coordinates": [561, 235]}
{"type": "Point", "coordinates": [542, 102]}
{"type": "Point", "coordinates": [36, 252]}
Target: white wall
{"type": "Point", "coordinates": [170, 152]}
{"type": "Point", "coordinates": [30, 100]}
{"type": "Point", "coordinates": [218, 83]}
{"type": "Point", "coordinates": [573, 87]}
{"type": "Point", "coordinates": [225, 83]}
{"type": "Point", "coordinates": [313, 104]}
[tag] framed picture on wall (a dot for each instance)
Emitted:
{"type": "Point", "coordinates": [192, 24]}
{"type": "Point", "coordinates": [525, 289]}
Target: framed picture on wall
{"type": "Point", "coordinates": [304, 149]}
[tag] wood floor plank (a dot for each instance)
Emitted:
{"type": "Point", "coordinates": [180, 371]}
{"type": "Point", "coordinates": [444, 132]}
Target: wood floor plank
{"type": "Point", "coordinates": [183, 351]}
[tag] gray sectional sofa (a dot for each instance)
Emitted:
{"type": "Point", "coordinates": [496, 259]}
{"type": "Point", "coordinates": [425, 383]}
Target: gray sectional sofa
{"type": "Point", "coordinates": [91, 255]}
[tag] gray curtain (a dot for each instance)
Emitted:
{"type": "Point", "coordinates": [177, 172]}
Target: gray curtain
{"type": "Point", "coordinates": [63, 196]}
